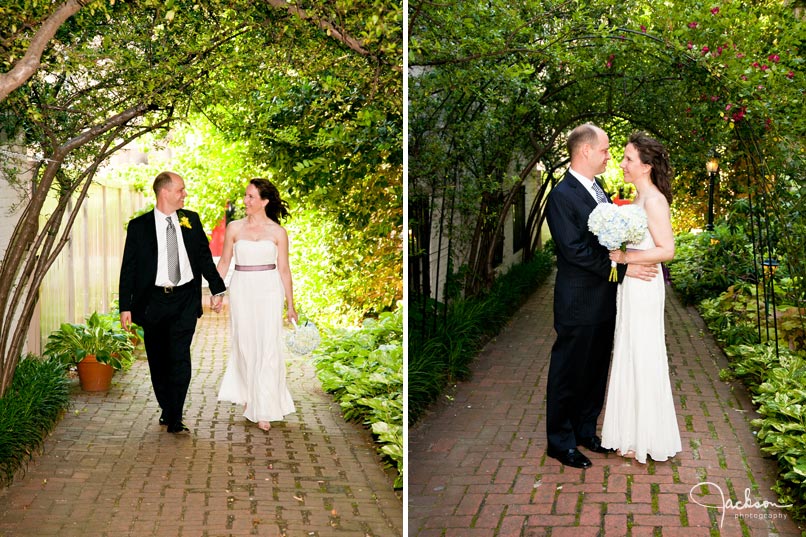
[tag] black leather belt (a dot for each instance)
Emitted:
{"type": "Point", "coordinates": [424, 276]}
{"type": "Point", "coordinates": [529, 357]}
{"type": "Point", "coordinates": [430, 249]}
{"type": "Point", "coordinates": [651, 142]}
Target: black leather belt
{"type": "Point", "coordinates": [173, 289]}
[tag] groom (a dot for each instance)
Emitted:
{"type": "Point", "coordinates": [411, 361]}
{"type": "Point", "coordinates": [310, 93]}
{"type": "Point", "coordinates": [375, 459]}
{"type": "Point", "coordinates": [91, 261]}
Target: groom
{"type": "Point", "coordinates": [165, 256]}
{"type": "Point", "coordinates": [584, 303]}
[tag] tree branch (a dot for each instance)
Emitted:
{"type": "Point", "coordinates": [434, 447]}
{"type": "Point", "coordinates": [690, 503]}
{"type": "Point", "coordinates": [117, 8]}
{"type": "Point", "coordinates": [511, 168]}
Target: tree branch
{"type": "Point", "coordinates": [324, 24]}
{"type": "Point", "coordinates": [29, 63]}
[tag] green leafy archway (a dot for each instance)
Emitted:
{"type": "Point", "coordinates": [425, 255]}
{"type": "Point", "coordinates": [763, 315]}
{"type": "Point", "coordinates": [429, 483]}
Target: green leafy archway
{"type": "Point", "coordinates": [497, 86]}
{"type": "Point", "coordinates": [113, 72]}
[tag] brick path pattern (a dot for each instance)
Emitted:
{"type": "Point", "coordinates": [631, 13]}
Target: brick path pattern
{"type": "Point", "coordinates": [478, 465]}
{"type": "Point", "coordinates": [109, 469]}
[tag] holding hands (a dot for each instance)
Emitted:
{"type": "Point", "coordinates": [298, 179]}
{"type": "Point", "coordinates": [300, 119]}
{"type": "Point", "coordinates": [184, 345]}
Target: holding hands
{"type": "Point", "coordinates": [217, 303]}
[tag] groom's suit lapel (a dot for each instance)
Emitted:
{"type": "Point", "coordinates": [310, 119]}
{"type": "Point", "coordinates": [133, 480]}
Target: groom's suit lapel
{"type": "Point", "coordinates": [151, 249]}
{"type": "Point", "coordinates": [150, 235]}
{"type": "Point", "coordinates": [580, 191]}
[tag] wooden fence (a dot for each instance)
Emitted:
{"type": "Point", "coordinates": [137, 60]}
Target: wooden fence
{"type": "Point", "coordinates": [84, 278]}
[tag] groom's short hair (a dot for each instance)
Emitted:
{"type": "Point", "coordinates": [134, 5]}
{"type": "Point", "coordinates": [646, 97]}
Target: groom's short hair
{"type": "Point", "coordinates": [587, 133]}
{"type": "Point", "coordinates": [162, 181]}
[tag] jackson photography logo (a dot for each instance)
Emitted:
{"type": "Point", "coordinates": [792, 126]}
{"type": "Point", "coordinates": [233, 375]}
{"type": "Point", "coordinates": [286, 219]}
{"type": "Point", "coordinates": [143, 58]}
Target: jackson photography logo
{"type": "Point", "coordinates": [738, 507]}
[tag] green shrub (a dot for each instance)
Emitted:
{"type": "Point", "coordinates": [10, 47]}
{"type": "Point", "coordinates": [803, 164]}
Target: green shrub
{"type": "Point", "coordinates": [777, 385]}
{"type": "Point", "coordinates": [706, 264]}
{"type": "Point", "coordinates": [444, 342]}
{"type": "Point", "coordinates": [363, 369]}
{"type": "Point", "coordinates": [740, 315]}
{"type": "Point", "coordinates": [29, 410]}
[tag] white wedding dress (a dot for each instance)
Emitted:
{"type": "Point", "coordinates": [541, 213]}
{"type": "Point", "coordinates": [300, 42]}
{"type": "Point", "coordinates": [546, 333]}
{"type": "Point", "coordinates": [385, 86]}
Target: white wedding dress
{"type": "Point", "coordinates": [255, 373]}
{"type": "Point", "coordinates": [639, 413]}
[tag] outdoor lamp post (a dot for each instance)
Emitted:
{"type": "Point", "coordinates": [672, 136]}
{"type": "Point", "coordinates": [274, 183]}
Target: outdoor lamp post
{"type": "Point", "coordinates": [713, 169]}
{"type": "Point", "coordinates": [769, 265]}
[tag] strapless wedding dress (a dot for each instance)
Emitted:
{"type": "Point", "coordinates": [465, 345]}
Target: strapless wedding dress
{"type": "Point", "coordinates": [639, 412]}
{"type": "Point", "coordinates": [255, 373]}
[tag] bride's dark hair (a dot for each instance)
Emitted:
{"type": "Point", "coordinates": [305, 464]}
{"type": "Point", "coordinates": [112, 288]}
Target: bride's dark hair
{"type": "Point", "coordinates": [652, 152]}
{"type": "Point", "coordinates": [277, 207]}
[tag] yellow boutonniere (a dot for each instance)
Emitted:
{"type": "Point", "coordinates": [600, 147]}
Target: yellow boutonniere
{"type": "Point", "coordinates": [184, 222]}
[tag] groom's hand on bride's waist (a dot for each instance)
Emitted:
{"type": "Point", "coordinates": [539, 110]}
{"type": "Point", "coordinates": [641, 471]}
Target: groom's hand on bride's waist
{"type": "Point", "coordinates": [642, 272]}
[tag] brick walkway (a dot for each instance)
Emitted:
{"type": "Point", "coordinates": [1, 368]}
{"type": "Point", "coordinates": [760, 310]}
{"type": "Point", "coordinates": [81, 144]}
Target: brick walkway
{"type": "Point", "coordinates": [478, 465]}
{"type": "Point", "coordinates": [110, 470]}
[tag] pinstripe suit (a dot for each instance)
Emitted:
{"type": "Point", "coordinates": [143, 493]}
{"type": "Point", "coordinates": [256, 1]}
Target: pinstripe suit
{"type": "Point", "coordinates": [584, 318]}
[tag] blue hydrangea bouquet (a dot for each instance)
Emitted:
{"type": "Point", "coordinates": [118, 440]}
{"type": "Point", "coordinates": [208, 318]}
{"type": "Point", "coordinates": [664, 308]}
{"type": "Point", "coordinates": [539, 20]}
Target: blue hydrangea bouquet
{"type": "Point", "coordinates": [617, 226]}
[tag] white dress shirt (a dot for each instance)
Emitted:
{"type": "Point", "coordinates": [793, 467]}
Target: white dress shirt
{"type": "Point", "coordinates": [587, 183]}
{"type": "Point", "coordinates": [162, 252]}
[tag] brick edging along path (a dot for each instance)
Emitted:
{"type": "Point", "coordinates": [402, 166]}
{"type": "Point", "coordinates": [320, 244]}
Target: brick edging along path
{"type": "Point", "coordinates": [109, 469]}
{"type": "Point", "coordinates": [478, 465]}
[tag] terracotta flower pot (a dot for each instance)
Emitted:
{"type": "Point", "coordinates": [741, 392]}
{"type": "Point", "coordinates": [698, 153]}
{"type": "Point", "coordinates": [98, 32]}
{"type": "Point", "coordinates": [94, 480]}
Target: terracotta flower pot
{"type": "Point", "coordinates": [93, 375]}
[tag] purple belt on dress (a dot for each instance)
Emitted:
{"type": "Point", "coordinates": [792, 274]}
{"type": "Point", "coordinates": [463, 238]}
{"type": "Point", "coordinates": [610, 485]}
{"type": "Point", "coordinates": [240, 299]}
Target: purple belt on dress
{"type": "Point", "coordinates": [251, 268]}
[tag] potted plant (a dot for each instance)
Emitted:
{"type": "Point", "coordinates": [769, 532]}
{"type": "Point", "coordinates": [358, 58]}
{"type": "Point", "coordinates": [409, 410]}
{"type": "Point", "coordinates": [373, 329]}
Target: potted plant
{"type": "Point", "coordinates": [96, 348]}
{"type": "Point", "coordinates": [136, 333]}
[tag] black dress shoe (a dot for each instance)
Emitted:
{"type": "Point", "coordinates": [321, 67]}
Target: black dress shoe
{"type": "Point", "coordinates": [163, 421]}
{"type": "Point", "coordinates": [570, 457]}
{"type": "Point", "coordinates": [178, 428]}
{"type": "Point", "coordinates": [594, 443]}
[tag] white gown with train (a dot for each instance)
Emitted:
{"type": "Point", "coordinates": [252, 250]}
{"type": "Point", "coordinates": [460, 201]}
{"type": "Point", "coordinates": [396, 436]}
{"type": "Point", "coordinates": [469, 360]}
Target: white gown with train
{"type": "Point", "coordinates": [255, 373]}
{"type": "Point", "coordinates": [639, 412]}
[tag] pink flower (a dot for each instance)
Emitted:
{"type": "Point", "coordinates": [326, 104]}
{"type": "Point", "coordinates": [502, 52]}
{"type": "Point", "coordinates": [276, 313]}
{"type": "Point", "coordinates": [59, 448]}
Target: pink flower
{"type": "Point", "coordinates": [740, 55]}
{"type": "Point", "coordinates": [755, 64]}
{"type": "Point", "coordinates": [714, 98]}
{"type": "Point", "coordinates": [690, 45]}
{"type": "Point", "coordinates": [714, 11]}
{"type": "Point", "coordinates": [744, 77]}
{"type": "Point", "coordinates": [728, 106]}
{"type": "Point", "coordinates": [705, 50]}
{"type": "Point", "coordinates": [774, 58]}
{"type": "Point", "coordinates": [643, 29]}
{"type": "Point", "coordinates": [790, 74]}
{"type": "Point", "coordinates": [692, 25]}
{"type": "Point", "coordinates": [765, 67]}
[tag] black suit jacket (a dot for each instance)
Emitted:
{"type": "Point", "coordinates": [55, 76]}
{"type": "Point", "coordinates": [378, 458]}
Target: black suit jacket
{"type": "Point", "coordinates": [138, 271]}
{"type": "Point", "coordinates": [582, 293]}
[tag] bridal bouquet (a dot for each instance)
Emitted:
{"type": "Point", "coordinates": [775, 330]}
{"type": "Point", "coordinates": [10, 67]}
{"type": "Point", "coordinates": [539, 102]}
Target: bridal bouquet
{"type": "Point", "coordinates": [303, 339]}
{"type": "Point", "coordinates": [616, 227]}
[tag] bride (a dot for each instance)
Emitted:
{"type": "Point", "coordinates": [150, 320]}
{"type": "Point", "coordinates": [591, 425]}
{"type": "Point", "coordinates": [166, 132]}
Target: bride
{"type": "Point", "coordinates": [640, 417]}
{"type": "Point", "coordinates": [261, 283]}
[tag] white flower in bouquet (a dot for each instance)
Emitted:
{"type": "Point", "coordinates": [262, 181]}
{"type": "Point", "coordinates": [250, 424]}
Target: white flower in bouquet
{"type": "Point", "coordinates": [617, 226]}
{"type": "Point", "coordinates": [303, 339]}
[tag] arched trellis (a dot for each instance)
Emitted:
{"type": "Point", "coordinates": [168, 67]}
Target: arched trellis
{"type": "Point", "coordinates": [742, 140]}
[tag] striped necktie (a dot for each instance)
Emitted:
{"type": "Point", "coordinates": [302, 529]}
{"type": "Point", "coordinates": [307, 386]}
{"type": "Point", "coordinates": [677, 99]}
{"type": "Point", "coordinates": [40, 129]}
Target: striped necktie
{"type": "Point", "coordinates": [599, 193]}
{"type": "Point", "coordinates": [173, 253]}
